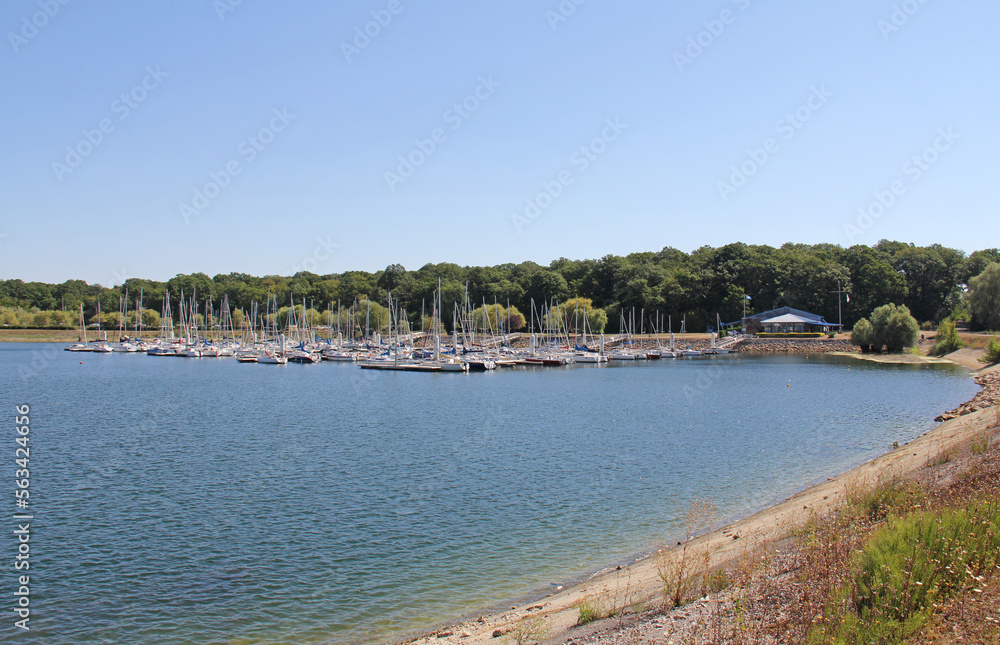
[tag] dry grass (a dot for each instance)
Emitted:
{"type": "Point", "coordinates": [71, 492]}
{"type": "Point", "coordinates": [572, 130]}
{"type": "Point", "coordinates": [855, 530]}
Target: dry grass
{"type": "Point", "coordinates": [975, 341]}
{"type": "Point", "coordinates": [681, 570]}
{"type": "Point", "coordinates": [39, 335]}
{"type": "Point", "coordinates": [528, 630]}
{"type": "Point", "coordinates": [624, 600]}
{"type": "Point", "coordinates": [981, 442]}
{"type": "Point", "coordinates": [57, 335]}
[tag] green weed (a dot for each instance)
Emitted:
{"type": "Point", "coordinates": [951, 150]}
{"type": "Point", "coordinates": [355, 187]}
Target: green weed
{"type": "Point", "coordinates": [908, 567]}
{"type": "Point", "coordinates": [528, 630]}
{"type": "Point", "coordinates": [876, 503]}
{"type": "Point", "coordinates": [589, 612]}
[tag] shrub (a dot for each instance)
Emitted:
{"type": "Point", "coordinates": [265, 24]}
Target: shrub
{"type": "Point", "coordinates": [863, 335]}
{"type": "Point", "coordinates": [924, 558]}
{"type": "Point", "coordinates": [908, 567]}
{"type": "Point", "coordinates": [886, 498]}
{"type": "Point", "coordinates": [678, 570]}
{"type": "Point", "coordinates": [992, 354]}
{"type": "Point", "coordinates": [948, 339]}
{"type": "Point", "coordinates": [894, 328]}
{"type": "Point", "coordinates": [589, 612]}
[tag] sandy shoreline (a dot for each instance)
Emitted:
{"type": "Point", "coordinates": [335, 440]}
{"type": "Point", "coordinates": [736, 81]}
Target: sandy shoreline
{"type": "Point", "coordinates": [553, 619]}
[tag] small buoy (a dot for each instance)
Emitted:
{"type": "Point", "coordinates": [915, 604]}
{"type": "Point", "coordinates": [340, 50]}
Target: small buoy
{"type": "Point", "coordinates": [81, 362]}
{"type": "Point", "coordinates": [789, 385]}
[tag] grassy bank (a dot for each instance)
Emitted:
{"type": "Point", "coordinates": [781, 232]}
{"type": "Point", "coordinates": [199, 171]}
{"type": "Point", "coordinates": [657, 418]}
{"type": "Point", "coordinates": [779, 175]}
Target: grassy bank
{"type": "Point", "coordinates": [56, 335]}
{"type": "Point", "coordinates": [39, 335]}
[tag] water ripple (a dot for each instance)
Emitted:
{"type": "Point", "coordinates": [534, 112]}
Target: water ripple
{"type": "Point", "coordinates": [200, 501]}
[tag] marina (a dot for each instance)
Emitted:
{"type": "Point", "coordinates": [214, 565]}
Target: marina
{"type": "Point", "coordinates": [476, 343]}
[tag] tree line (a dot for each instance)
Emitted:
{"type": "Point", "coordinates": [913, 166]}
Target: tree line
{"type": "Point", "coordinates": [931, 281]}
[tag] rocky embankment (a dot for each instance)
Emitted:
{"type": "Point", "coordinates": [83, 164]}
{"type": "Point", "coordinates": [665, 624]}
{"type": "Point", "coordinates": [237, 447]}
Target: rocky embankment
{"type": "Point", "coordinates": [795, 345]}
{"type": "Point", "coordinates": [988, 396]}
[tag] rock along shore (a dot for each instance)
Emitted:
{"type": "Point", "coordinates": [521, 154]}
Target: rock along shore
{"type": "Point", "coordinates": [985, 398]}
{"type": "Point", "coordinates": [795, 345]}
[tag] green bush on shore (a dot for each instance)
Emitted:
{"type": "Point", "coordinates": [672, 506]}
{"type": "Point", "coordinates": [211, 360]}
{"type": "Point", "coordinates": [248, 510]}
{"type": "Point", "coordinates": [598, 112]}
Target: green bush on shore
{"type": "Point", "coordinates": [891, 327]}
{"type": "Point", "coordinates": [948, 340]}
{"type": "Point", "coordinates": [992, 353]}
{"type": "Point", "coordinates": [909, 566]}
{"type": "Point", "coordinates": [863, 335]}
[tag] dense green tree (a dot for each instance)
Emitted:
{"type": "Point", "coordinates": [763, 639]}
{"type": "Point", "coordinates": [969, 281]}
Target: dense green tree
{"type": "Point", "coordinates": [863, 335]}
{"type": "Point", "coordinates": [984, 297]}
{"type": "Point", "coordinates": [976, 263]}
{"type": "Point", "coordinates": [894, 328]}
{"type": "Point", "coordinates": [873, 280]}
{"type": "Point", "coordinates": [931, 279]}
{"type": "Point", "coordinates": [669, 283]}
{"type": "Point", "coordinates": [546, 285]}
{"type": "Point", "coordinates": [497, 317]}
{"type": "Point", "coordinates": [573, 314]}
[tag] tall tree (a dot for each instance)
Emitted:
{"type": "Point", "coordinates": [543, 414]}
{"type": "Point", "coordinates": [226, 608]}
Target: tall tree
{"type": "Point", "coordinates": [984, 297]}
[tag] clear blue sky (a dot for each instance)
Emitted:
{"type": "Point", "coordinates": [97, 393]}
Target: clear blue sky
{"type": "Point", "coordinates": [190, 89]}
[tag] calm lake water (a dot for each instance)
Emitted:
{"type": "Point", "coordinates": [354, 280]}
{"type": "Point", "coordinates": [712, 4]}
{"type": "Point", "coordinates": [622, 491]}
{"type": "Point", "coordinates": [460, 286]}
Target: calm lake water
{"type": "Point", "coordinates": [207, 501]}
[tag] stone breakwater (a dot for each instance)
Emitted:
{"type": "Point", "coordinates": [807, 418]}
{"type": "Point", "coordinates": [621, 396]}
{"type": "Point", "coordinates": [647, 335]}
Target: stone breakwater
{"type": "Point", "coordinates": [987, 397]}
{"type": "Point", "coordinates": [795, 345]}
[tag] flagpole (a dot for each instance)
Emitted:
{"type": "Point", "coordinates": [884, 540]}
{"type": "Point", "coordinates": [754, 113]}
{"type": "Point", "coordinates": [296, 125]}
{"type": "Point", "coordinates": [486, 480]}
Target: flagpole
{"type": "Point", "coordinates": [840, 299]}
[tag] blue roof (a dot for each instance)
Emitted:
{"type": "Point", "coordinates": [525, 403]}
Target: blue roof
{"type": "Point", "coordinates": [781, 311]}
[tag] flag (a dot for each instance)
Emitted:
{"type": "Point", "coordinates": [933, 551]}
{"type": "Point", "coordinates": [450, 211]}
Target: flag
{"type": "Point", "coordinates": [848, 296]}
{"type": "Point", "coordinates": [748, 298]}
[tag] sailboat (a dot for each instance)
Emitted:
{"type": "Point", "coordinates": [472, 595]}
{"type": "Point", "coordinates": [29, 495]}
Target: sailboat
{"type": "Point", "coordinates": [101, 346]}
{"type": "Point", "coordinates": [584, 353]}
{"type": "Point", "coordinates": [274, 356]}
{"type": "Point", "coordinates": [81, 346]}
{"type": "Point", "coordinates": [713, 348]}
{"type": "Point", "coordinates": [622, 354]}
